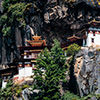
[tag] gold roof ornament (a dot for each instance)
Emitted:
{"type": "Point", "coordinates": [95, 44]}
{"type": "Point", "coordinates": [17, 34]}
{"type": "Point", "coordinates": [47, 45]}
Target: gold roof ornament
{"type": "Point", "coordinates": [36, 37]}
{"type": "Point", "coordinates": [37, 41]}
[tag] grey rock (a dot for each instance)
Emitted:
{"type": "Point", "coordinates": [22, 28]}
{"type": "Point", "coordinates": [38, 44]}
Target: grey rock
{"type": "Point", "coordinates": [93, 98]}
{"type": "Point", "coordinates": [88, 79]}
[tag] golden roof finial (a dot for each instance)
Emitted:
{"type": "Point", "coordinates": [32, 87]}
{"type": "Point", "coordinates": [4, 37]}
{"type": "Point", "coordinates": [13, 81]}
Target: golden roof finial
{"type": "Point", "coordinates": [36, 34]}
{"type": "Point", "coordinates": [36, 37]}
{"type": "Point", "coordinates": [73, 35]}
{"type": "Point", "coordinates": [94, 20]}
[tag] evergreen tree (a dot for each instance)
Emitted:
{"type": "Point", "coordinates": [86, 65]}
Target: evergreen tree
{"type": "Point", "coordinates": [50, 71]}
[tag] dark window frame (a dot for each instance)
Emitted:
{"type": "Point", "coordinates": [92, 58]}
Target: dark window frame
{"type": "Point", "coordinates": [92, 40]}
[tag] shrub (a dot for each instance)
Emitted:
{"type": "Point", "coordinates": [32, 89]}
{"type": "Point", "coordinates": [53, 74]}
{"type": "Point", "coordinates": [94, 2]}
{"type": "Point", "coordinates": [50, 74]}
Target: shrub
{"type": "Point", "coordinates": [70, 96]}
{"type": "Point", "coordinates": [73, 49]}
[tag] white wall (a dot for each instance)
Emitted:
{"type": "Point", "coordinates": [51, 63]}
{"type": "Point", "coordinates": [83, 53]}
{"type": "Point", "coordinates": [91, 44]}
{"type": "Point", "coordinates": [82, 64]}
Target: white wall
{"type": "Point", "coordinates": [28, 71]}
{"type": "Point", "coordinates": [25, 72]}
{"type": "Point", "coordinates": [96, 37]}
{"type": "Point", "coordinates": [21, 72]}
{"type": "Point", "coordinates": [4, 83]}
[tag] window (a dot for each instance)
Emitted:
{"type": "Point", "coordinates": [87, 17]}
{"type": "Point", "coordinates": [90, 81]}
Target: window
{"type": "Point", "coordinates": [92, 40]}
{"type": "Point", "coordinates": [34, 55]}
{"type": "Point", "coordinates": [93, 33]}
{"type": "Point", "coordinates": [25, 56]}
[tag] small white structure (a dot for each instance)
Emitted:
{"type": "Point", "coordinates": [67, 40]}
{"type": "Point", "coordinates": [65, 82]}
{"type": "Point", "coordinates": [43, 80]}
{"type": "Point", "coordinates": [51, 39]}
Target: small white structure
{"type": "Point", "coordinates": [4, 83]}
{"type": "Point", "coordinates": [93, 37]}
{"type": "Point", "coordinates": [25, 71]}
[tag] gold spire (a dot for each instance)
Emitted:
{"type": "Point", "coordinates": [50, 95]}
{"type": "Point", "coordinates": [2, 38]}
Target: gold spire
{"type": "Point", "coordinates": [73, 35]}
{"type": "Point", "coordinates": [37, 41]}
{"type": "Point", "coordinates": [36, 37]}
{"type": "Point", "coordinates": [36, 34]}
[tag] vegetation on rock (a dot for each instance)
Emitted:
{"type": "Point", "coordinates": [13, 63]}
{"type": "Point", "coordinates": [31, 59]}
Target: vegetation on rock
{"type": "Point", "coordinates": [0, 82]}
{"type": "Point", "coordinates": [11, 91]}
{"type": "Point", "coordinates": [70, 96]}
{"type": "Point", "coordinates": [7, 93]}
{"type": "Point", "coordinates": [13, 18]}
{"type": "Point", "coordinates": [73, 49]}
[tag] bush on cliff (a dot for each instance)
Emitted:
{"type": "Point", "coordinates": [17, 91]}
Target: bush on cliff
{"type": "Point", "coordinates": [70, 96]}
{"type": "Point", "coordinates": [7, 93]}
{"type": "Point", "coordinates": [73, 49]}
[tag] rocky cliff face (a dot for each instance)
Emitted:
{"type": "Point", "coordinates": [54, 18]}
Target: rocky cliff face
{"type": "Point", "coordinates": [56, 19]}
{"type": "Point", "coordinates": [87, 71]}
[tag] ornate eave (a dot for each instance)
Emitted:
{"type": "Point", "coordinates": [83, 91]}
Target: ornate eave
{"type": "Point", "coordinates": [93, 21]}
{"type": "Point", "coordinates": [73, 37]}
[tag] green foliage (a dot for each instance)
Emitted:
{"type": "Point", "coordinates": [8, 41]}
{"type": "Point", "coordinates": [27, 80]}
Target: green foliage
{"type": "Point", "coordinates": [7, 93]}
{"type": "Point", "coordinates": [25, 86]}
{"type": "Point", "coordinates": [53, 64]}
{"type": "Point", "coordinates": [70, 96]}
{"type": "Point", "coordinates": [7, 3]}
{"type": "Point", "coordinates": [6, 31]}
{"type": "Point", "coordinates": [98, 96]}
{"type": "Point", "coordinates": [87, 97]}
{"type": "Point", "coordinates": [3, 20]}
{"type": "Point", "coordinates": [73, 49]}
{"type": "Point", "coordinates": [0, 82]}
{"type": "Point", "coordinates": [16, 13]}
{"type": "Point", "coordinates": [13, 18]}
{"type": "Point", "coordinates": [11, 91]}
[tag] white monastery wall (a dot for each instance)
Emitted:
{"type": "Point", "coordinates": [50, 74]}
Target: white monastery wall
{"type": "Point", "coordinates": [4, 83]}
{"type": "Point", "coordinates": [96, 37]}
{"type": "Point", "coordinates": [25, 72]}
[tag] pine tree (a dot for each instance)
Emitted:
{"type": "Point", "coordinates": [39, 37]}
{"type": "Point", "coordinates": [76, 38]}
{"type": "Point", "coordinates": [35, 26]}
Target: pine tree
{"type": "Point", "coordinates": [50, 70]}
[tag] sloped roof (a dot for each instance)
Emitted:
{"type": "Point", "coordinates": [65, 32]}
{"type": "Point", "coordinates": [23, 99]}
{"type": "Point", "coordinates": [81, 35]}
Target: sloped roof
{"type": "Point", "coordinates": [73, 37]}
{"type": "Point", "coordinates": [37, 41]}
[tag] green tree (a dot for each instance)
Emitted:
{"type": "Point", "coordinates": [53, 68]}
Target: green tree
{"type": "Point", "coordinates": [73, 49]}
{"type": "Point", "coordinates": [14, 17]}
{"type": "Point", "coordinates": [50, 71]}
{"type": "Point", "coordinates": [7, 3]}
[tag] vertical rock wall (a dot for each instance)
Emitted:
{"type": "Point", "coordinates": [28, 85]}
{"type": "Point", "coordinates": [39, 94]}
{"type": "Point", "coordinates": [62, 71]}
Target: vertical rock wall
{"type": "Point", "coordinates": [88, 74]}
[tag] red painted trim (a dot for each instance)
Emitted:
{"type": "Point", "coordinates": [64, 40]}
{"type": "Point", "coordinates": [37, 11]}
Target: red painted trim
{"type": "Point", "coordinates": [96, 32]}
{"type": "Point", "coordinates": [15, 78]}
